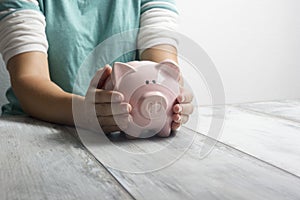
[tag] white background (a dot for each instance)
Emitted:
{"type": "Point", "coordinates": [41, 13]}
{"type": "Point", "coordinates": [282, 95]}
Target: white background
{"type": "Point", "coordinates": [255, 45]}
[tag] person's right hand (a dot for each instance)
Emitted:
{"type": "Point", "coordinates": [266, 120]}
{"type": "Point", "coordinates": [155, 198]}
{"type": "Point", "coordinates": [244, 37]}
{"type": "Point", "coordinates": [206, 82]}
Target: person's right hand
{"type": "Point", "coordinates": [112, 114]}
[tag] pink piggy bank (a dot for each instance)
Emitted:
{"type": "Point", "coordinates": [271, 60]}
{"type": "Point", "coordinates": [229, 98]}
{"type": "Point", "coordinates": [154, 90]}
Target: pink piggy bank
{"type": "Point", "coordinates": [151, 89]}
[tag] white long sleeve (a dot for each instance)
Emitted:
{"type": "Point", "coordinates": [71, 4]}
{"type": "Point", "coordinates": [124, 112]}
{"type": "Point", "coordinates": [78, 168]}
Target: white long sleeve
{"type": "Point", "coordinates": [158, 25]}
{"type": "Point", "coordinates": [22, 31]}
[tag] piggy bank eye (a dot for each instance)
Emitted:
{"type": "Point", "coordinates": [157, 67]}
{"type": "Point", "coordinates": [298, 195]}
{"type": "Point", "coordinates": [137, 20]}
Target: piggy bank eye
{"type": "Point", "coordinates": [147, 82]}
{"type": "Point", "coordinates": [153, 81]}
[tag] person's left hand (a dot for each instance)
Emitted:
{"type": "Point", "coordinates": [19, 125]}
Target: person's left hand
{"type": "Point", "coordinates": [183, 108]}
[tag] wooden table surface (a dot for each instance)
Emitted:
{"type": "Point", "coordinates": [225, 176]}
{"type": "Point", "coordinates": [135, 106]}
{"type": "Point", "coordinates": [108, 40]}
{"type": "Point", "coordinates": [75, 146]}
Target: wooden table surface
{"type": "Point", "coordinates": [257, 156]}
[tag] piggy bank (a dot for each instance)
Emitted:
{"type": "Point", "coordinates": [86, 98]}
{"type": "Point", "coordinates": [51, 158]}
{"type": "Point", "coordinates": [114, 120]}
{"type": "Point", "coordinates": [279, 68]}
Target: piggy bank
{"type": "Point", "coordinates": [151, 89]}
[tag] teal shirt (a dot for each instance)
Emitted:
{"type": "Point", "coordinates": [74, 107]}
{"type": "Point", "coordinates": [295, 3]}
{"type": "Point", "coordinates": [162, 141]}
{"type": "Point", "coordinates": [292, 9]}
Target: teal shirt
{"type": "Point", "coordinates": [74, 28]}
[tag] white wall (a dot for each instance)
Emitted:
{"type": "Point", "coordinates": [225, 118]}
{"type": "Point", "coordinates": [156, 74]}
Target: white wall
{"type": "Point", "coordinates": [255, 45]}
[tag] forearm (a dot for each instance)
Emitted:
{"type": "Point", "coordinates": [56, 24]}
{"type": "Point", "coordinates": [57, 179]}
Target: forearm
{"type": "Point", "coordinates": [159, 53]}
{"type": "Point", "coordinates": [37, 94]}
{"type": "Point", "coordinates": [44, 100]}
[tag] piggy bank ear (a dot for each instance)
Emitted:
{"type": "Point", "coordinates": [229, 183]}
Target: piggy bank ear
{"type": "Point", "coordinates": [119, 70]}
{"type": "Point", "coordinates": [169, 67]}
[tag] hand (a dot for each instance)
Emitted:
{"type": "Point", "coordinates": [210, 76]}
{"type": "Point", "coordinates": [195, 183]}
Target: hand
{"type": "Point", "coordinates": [183, 108]}
{"type": "Point", "coordinates": [112, 113]}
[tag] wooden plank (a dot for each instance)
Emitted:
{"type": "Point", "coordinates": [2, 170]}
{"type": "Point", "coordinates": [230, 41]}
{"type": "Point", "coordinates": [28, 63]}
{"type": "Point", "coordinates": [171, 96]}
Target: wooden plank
{"type": "Point", "coordinates": [285, 109]}
{"type": "Point", "coordinates": [272, 139]}
{"type": "Point", "coordinates": [224, 174]}
{"type": "Point", "coordinates": [44, 161]}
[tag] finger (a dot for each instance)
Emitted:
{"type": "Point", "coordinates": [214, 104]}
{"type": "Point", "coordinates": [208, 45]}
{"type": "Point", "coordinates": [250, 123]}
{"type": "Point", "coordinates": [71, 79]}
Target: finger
{"type": "Point", "coordinates": [105, 75]}
{"type": "Point", "coordinates": [120, 127]}
{"type": "Point", "coordinates": [175, 126]}
{"type": "Point", "coordinates": [108, 96]}
{"type": "Point", "coordinates": [181, 119]}
{"type": "Point", "coordinates": [100, 76]}
{"type": "Point", "coordinates": [181, 83]}
{"type": "Point", "coordinates": [118, 120]}
{"type": "Point", "coordinates": [177, 108]}
{"type": "Point", "coordinates": [176, 118]}
{"type": "Point", "coordinates": [130, 137]}
{"type": "Point", "coordinates": [184, 119]}
{"type": "Point", "coordinates": [107, 109]}
{"type": "Point", "coordinates": [185, 96]}
{"type": "Point", "coordinates": [110, 129]}
{"type": "Point", "coordinates": [185, 109]}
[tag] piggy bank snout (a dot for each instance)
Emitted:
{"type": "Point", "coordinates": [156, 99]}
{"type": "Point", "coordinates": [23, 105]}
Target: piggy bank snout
{"type": "Point", "coordinates": [153, 105]}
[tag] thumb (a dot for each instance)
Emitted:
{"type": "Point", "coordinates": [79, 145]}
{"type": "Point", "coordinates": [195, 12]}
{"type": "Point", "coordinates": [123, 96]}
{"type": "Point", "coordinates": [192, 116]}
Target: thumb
{"type": "Point", "coordinates": [100, 77]}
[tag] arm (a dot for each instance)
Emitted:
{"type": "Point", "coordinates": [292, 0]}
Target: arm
{"type": "Point", "coordinates": [158, 41]}
{"type": "Point", "coordinates": [43, 99]}
{"type": "Point", "coordinates": [24, 45]}
{"type": "Point", "coordinates": [159, 53]}
{"type": "Point", "coordinates": [38, 95]}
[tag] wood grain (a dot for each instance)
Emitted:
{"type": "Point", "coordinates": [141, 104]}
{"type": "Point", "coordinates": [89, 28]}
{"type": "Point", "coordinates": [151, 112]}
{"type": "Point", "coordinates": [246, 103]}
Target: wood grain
{"type": "Point", "coordinates": [272, 139]}
{"type": "Point", "coordinates": [44, 161]}
{"type": "Point", "coordinates": [225, 173]}
{"type": "Point", "coordinates": [284, 109]}
{"type": "Point", "coordinates": [257, 157]}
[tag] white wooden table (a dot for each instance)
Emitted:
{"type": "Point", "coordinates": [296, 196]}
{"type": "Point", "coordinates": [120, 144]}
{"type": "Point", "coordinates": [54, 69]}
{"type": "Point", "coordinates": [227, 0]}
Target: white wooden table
{"type": "Point", "coordinates": [257, 157]}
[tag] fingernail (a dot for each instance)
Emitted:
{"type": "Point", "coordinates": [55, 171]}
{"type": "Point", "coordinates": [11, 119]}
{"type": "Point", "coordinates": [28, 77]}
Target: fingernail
{"type": "Point", "coordinates": [178, 120]}
{"type": "Point", "coordinates": [126, 108]}
{"type": "Point", "coordinates": [181, 98]}
{"type": "Point", "coordinates": [179, 109]}
{"type": "Point", "coordinates": [129, 108]}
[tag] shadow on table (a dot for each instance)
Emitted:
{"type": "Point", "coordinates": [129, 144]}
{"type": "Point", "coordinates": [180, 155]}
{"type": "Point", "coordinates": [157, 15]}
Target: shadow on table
{"type": "Point", "coordinates": [118, 137]}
